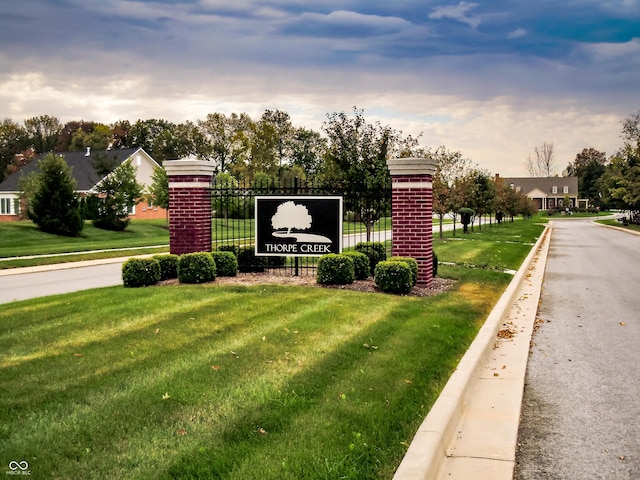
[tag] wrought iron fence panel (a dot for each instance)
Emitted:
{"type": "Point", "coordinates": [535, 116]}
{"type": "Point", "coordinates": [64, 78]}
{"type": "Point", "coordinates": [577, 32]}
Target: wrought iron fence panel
{"type": "Point", "coordinates": [367, 217]}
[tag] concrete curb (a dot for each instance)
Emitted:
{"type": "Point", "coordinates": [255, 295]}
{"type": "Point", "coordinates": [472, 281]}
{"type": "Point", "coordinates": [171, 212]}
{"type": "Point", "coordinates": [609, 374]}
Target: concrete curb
{"type": "Point", "coordinates": [428, 449]}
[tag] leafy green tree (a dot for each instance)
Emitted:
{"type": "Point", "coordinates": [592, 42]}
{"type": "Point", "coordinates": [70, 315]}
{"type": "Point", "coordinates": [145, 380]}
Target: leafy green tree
{"type": "Point", "coordinates": [224, 139]}
{"type": "Point", "coordinates": [55, 207]}
{"type": "Point", "coordinates": [450, 168]}
{"type": "Point", "coordinates": [483, 193]}
{"type": "Point", "coordinates": [43, 132]}
{"type": "Point", "coordinates": [307, 150]}
{"type": "Point", "coordinates": [589, 166]}
{"type": "Point", "coordinates": [99, 137]}
{"type": "Point", "coordinates": [622, 175]}
{"type": "Point", "coordinates": [356, 160]}
{"type": "Point", "coordinates": [13, 140]}
{"type": "Point", "coordinates": [118, 192]}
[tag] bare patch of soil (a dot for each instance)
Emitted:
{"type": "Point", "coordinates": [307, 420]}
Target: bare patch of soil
{"type": "Point", "coordinates": [438, 285]}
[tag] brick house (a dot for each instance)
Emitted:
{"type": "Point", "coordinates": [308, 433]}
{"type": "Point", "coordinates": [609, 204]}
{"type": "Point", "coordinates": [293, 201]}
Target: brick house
{"type": "Point", "coordinates": [548, 192]}
{"type": "Point", "coordinates": [87, 177]}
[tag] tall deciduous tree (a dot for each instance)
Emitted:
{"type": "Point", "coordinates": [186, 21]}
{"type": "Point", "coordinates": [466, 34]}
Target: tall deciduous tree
{"type": "Point", "coordinates": [356, 160]}
{"type": "Point", "coordinates": [43, 132]}
{"type": "Point", "coordinates": [224, 139]}
{"type": "Point", "coordinates": [450, 168]}
{"type": "Point", "coordinates": [542, 164]}
{"type": "Point", "coordinates": [13, 141]}
{"type": "Point", "coordinates": [55, 207]}
{"type": "Point", "coordinates": [622, 176]}
{"type": "Point", "coordinates": [589, 167]}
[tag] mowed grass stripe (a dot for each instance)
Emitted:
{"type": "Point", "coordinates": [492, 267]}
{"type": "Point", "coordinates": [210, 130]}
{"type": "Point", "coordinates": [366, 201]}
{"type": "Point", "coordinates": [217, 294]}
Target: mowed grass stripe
{"type": "Point", "coordinates": [227, 382]}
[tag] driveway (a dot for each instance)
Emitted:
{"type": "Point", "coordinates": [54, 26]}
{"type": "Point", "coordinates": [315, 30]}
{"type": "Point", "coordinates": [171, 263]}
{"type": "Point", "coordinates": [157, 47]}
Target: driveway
{"type": "Point", "coordinates": [581, 409]}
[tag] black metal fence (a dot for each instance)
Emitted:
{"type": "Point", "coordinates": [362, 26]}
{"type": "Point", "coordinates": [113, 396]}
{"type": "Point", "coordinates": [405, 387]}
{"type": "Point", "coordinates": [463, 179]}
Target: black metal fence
{"type": "Point", "coordinates": [367, 217]}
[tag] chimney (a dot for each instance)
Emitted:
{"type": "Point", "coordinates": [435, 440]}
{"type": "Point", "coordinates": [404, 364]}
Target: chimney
{"type": "Point", "coordinates": [88, 152]}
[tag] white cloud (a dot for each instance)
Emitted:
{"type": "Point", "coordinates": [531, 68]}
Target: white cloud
{"type": "Point", "coordinates": [517, 33]}
{"type": "Point", "coordinates": [458, 12]}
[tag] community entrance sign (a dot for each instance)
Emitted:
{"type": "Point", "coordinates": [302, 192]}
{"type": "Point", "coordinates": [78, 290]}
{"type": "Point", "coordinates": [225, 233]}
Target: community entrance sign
{"type": "Point", "coordinates": [298, 226]}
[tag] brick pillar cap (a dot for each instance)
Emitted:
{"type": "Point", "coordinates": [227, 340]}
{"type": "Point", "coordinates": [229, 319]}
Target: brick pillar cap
{"type": "Point", "coordinates": [188, 166]}
{"type": "Point", "coordinates": [411, 166]}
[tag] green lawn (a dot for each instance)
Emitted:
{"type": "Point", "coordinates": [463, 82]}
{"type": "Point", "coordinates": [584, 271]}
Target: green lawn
{"type": "Point", "coordinates": [24, 238]}
{"type": "Point", "coordinates": [264, 382]}
{"type": "Point", "coordinates": [500, 246]}
{"type": "Point", "coordinates": [240, 382]}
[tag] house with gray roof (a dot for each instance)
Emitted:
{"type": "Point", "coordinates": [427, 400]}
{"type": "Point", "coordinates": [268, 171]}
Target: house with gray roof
{"type": "Point", "coordinates": [548, 192]}
{"type": "Point", "coordinates": [89, 168]}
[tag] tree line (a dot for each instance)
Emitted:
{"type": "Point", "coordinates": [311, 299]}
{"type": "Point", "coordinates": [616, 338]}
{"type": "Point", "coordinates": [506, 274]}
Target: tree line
{"type": "Point", "coordinates": [350, 151]}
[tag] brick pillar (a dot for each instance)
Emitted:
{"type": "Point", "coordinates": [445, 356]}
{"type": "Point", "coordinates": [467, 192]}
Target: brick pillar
{"type": "Point", "coordinates": [189, 205]}
{"type": "Point", "coordinates": [412, 207]}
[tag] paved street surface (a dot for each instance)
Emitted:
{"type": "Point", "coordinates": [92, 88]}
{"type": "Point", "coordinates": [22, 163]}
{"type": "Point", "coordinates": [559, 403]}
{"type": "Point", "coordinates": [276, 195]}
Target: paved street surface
{"type": "Point", "coordinates": [581, 408]}
{"type": "Point", "coordinates": [64, 278]}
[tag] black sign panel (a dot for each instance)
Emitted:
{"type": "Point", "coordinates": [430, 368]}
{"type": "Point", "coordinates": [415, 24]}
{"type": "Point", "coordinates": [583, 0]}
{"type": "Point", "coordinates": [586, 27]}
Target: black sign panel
{"type": "Point", "coordinates": [297, 226]}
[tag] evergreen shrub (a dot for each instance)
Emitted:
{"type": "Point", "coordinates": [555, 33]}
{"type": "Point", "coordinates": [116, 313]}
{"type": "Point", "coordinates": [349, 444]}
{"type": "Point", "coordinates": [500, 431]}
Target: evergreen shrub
{"type": "Point", "coordinates": [375, 251]}
{"type": "Point", "coordinates": [393, 277]}
{"type": "Point", "coordinates": [226, 263]}
{"type": "Point", "coordinates": [140, 272]}
{"type": "Point", "coordinates": [248, 262]}
{"type": "Point", "coordinates": [413, 265]}
{"type": "Point", "coordinates": [229, 248]}
{"type": "Point", "coordinates": [168, 265]}
{"type": "Point", "coordinates": [361, 264]}
{"type": "Point", "coordinates": [335, 269]}
{"type": "Point", "coordinates": [196, 267]}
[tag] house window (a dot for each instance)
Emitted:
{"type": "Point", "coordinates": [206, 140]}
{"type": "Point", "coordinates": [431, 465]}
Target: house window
{"type": "Point", "coordinates": [554, 189]}
{"type": "Point", "coordinates": [565, 189]}
{"type": "Point", "coordinates": [7, 206]}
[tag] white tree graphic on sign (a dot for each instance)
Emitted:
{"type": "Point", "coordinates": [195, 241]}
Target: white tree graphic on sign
{"type": "Point", "coordinates": [289, 215]}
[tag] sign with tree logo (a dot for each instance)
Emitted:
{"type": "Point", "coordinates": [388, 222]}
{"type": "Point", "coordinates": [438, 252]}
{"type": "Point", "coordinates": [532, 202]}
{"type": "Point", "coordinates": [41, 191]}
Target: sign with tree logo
{"type": "Point", "coordinates": [298, 226]}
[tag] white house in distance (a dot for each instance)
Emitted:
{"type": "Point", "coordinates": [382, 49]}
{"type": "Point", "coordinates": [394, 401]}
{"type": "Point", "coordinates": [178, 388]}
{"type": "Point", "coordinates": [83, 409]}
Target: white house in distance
{"type": "Point", "coordinates": [87, 177]}
{"type": "Point", "coordinates": [547, 192]}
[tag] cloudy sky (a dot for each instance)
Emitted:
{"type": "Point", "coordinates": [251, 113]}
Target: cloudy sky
{"type": "Point", "coordinates": [492, 79]}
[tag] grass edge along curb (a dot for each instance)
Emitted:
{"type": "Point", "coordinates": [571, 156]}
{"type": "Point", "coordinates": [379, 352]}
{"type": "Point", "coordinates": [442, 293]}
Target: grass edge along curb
{"type": "Point", "coordinates": [427, 451]}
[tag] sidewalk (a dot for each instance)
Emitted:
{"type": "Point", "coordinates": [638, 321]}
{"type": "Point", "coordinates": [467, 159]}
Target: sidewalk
{"type": "Point", "coordinates": [472, 429]}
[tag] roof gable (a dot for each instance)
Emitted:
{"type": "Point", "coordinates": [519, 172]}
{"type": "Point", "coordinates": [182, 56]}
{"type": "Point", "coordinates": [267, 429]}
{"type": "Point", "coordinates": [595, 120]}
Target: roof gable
{"type": "Point", "coordinates": [543, 185]}
{"type": "Point", "coordinates": [83, 167]}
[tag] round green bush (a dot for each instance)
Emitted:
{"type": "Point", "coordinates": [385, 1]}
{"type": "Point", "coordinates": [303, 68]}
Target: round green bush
{"type": "Point", "coordinates": [226, 264]}
{"type": "Point", "coordinates": [375, 251]}
{"type": "Point", "coordinates": [229, 248]}
{"type": "Point", "coordinates": [197, 267]}
{"type": "Point", "coordinates": [168, 265]}
{"type": "Point", "coordinates": [335, 269]}
{"type": "Point", "coordinates": [393, 277]}
{"type": "Point", "coordinates": [248, 262]}
{"type": "Point", "coordinates": [361, 264]}
{"type": "Point", "coordinates": [413, 265]}
{"type": "Point", "coordinates": [140, 272]}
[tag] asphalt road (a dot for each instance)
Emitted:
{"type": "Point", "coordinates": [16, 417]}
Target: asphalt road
{"type": "Point", "coordinates": [581, 408]}
{"type": "Point", "coordinates": [65, 278]}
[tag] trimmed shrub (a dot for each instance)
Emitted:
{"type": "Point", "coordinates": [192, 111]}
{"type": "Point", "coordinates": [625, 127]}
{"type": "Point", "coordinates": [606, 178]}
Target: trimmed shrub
{"type": "Point", "coordinates": [226, 264]}
{"type": "Point", "coordinates": [435, 264]}
{"type": "Point", "coordinates": [140, 272]}
{"type": "Point", "coordinates": [335, 269]}
{"type": "Point", "coordinates": [229, 248]}
{"type": "Point", "coordinates": [413, 265]}
{"type": "Point", "coordinates": [393, 277]}
{"type": "Point", "coordinates": [197, 267]}
{"type": "Point", "coordinates": [168, 265]}
{"type": "Point", "coordinates": [375, 251]}
{"type": "Point", "coordinates": [361, 264]}
{"type": "Point", "coordinates": [248, 262]}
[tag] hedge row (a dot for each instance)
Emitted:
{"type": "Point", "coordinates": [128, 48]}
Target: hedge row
{"type": "Point", "coordinates": [197, 267]}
